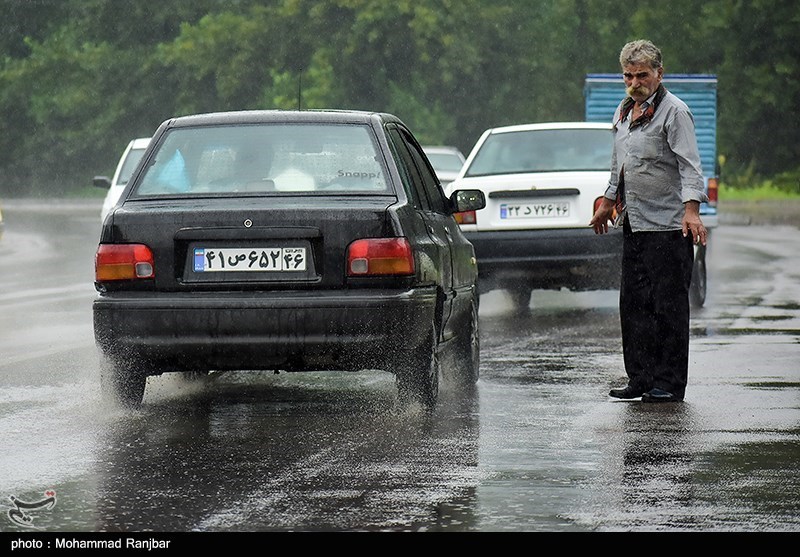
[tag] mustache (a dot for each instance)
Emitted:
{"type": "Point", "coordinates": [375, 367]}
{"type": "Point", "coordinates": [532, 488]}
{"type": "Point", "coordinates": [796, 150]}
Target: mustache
{"type": "Point", "coordinates": [641, 90]}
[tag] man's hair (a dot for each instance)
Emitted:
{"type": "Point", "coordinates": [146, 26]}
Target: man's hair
{"type": "Point", "coordinates": [640, 52]}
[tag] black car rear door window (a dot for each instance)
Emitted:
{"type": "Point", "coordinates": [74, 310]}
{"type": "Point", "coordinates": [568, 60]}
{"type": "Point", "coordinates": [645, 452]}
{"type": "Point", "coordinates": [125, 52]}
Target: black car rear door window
{"type": "Point", "coordinates": [412, 182]}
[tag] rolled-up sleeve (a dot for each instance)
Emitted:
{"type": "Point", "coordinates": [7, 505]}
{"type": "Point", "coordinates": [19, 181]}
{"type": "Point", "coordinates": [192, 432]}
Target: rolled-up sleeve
{"type": "Point", "coordinates": [613, 180]}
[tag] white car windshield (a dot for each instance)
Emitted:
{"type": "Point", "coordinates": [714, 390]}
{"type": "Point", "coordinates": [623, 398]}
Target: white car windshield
{"type": "Point", "coordinates": [543, 151]}
{"type": "Point", "coordinates": [283, 158]}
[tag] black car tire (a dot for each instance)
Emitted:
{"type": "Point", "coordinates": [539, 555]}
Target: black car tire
{"type": "Point", "coordinates": [468, 356]}
{"type": "Point", "coordinates": [697, 289]}
{"type": "Point", "coordinates": [418, 375]}
{"type": "Point", "coordinates": [122, 383]}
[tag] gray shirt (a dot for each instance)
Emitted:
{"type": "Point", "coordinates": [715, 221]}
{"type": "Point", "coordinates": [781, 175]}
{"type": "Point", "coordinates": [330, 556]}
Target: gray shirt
{"type": "Point", "coordinates": [659, 164]}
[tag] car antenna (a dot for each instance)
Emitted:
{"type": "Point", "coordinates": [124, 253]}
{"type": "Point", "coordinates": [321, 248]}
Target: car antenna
{"type": "Point", "coordinates": [299, 88]}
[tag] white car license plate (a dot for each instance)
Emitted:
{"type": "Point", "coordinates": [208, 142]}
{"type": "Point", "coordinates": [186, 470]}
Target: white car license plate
{"type": "Point", "coordinates": [534, 210]}
{"type": "Point", "coordinates": [249, 259]}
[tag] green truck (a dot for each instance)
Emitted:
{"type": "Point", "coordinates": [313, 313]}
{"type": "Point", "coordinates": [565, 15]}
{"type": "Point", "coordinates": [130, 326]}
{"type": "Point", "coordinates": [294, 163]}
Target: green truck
{"type": "Point", "coordinates": [602, 95]}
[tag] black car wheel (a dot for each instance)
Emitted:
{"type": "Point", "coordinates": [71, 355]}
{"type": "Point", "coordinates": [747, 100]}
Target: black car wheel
{"type": "Point", "coordinates": [468, 355]}
{"type": "Point", "coordinates": [122, 383]}
{"type": "Point", "coordinates": [697, 289]}
{"type": "Point", "coordinates": [418, 376]}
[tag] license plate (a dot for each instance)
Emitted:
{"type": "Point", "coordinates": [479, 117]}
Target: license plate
{"type": "Point", "coordinates": [249, 259]}
{"type": "Point", "coordinates": [534, 210]}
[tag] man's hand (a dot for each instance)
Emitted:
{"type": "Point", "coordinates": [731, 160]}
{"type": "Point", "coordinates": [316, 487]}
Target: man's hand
{"type": "Point", "coordinates": [692, 223]}
{"type": "Point", "coordinates": [602, 216]}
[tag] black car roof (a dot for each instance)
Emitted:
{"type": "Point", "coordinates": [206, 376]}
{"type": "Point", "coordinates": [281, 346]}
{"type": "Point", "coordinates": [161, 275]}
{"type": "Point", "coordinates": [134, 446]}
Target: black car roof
{"type": "Point", "coordinates": [327, 116]}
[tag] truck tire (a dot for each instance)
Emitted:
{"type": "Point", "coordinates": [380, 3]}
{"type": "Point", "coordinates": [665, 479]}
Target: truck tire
{"type": "Point", "coordinates": [520, 297]}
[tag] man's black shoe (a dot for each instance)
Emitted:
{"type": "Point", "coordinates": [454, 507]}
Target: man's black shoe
{"type": "Point", "coordinates": [627, 392]}
{"type": "Point", "coordinates": [660, 395]}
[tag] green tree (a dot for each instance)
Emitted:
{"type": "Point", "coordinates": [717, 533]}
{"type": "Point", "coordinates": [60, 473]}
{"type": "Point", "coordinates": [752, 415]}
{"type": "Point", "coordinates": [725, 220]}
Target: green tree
{"type": "Point", "coordinates": [28, 19]}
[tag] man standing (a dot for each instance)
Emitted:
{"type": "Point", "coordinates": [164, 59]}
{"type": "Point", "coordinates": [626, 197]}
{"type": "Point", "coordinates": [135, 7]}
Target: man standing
{"type": "Point", "coordinates": [656, 187]}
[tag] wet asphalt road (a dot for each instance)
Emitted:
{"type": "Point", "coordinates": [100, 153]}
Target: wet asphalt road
{"type": "Point", "coordinates": [539, 448]}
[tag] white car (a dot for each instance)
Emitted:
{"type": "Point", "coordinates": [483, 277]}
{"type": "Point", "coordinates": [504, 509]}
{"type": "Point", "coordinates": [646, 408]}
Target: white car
{"type": "Point", "coordinates": [127, 164]}
{"type": "Point", "coordinates": [542, 183]}
{"type": "Point", "coordinates": [446, 161]}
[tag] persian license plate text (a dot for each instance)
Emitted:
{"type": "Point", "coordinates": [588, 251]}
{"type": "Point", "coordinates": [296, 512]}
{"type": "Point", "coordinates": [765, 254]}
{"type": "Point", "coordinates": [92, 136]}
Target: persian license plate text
{"type": "Point", "coordinates": [249, 259]}
{"type": "Point", "coordinates": [534, 210]}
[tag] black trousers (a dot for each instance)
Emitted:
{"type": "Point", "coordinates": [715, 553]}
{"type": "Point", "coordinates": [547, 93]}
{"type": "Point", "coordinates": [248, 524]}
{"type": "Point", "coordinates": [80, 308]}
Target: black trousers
{"type": "Point", "coordinates": [654, 309]}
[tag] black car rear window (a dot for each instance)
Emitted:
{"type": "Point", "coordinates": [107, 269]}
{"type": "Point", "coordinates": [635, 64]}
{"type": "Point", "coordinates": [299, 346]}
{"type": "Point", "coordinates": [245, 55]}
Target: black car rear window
{"type": "Point", "coordinates": [263, 158]}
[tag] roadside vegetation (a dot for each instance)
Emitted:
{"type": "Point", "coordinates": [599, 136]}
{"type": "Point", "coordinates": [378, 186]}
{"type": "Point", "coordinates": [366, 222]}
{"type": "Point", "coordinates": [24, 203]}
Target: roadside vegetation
{"type": "Point", "coordinates": [764, 191]}
{"type": "Point", "coordinates": [745, 198]}
{"type": "Point", "coordinates": [746, 186]}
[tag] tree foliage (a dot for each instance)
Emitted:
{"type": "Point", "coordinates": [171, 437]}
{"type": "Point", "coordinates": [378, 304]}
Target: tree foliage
{"type": "Point", "coordinates": [79, 78]}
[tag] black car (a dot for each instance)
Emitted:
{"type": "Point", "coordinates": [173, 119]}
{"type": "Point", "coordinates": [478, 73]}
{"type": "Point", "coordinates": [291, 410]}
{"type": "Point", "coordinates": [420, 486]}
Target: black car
{"type": "Point", "coordinates": [286, 240]}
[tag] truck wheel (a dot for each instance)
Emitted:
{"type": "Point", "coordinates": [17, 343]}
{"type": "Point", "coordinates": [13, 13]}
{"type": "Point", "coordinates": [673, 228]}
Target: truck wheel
{"type": "Point", "coordinates": [418, 375]}
{"type": "Point", "coordinates": [122, 383]}
{"type": "Point", "coordinates": [520, 297]}
{"type": "Point", "coordinates": [697, 289]}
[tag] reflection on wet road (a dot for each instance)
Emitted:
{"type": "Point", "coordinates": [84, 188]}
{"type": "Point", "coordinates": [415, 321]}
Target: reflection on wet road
{"type": "Point", "coordinates": [310, 452]}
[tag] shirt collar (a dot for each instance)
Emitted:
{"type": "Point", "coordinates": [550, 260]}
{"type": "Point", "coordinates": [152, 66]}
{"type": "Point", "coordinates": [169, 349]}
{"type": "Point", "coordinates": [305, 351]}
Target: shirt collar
{"type": "Point", "coordinates": [648, 102]}
{"type": "Point", "coordinates": [648, 110]}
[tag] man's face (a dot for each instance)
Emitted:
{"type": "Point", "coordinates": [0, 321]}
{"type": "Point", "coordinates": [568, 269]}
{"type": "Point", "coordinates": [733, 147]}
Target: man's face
{"type": "Point", "coordinates": [641, 81]}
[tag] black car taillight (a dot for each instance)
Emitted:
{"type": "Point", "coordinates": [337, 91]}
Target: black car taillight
{"type": "Point", "coordinates": [123, 262]}
{"type": "Point", "coordinates": [380, 256]}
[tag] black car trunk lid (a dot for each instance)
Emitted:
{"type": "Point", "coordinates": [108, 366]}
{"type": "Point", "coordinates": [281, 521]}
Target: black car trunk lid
{"type": "Point", "coordinates": [265, 243]}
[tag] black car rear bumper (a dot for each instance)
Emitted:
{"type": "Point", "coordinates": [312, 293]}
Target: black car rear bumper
{"type": "Point", "coordinates": [342, 330]}
{"type": "Point", "coordinates": [571, 258]}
